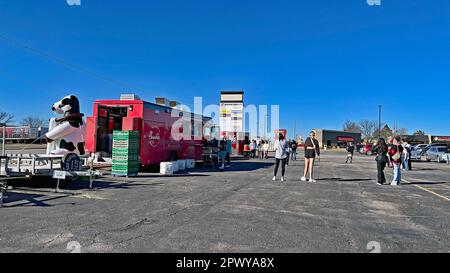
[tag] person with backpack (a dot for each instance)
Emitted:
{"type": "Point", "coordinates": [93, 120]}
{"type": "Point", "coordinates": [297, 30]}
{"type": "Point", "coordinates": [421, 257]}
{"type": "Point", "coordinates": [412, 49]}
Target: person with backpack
{"type": "Point", "coordinates": [380, 150]}
{"type": "Point", "coordinates": [395, 153]}
{"type": "Point", "coordinates": [294, 150]}
{"type": "Point", "coordinates": [350, 152]}
{"type": "Point", "coordinates": [312, 150]}
{"type": "Point", "coordinates": [280, 157]}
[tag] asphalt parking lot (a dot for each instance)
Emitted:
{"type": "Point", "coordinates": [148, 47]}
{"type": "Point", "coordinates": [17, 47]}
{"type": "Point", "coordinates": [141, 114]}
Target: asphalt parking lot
{"type": "Point", "coordinates": [239, 210]}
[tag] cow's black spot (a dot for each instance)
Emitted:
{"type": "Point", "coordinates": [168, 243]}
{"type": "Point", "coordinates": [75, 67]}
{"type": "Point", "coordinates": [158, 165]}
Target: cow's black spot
{"type": "Point", "coordinates": [81, 148]}
{"type": "Point", "coordinates": [76, 123]}
{"type": "Point", "coordinates": [67, 145]}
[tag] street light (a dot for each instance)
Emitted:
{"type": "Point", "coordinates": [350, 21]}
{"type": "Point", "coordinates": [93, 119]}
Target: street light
{"type": "Point", "coordinates": [379, 121]}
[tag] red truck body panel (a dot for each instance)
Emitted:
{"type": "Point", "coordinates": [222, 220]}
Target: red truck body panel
{"type": "Point", "coordinates": [154, 122]}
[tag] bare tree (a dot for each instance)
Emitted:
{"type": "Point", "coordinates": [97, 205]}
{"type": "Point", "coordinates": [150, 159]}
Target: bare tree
{"type": "Point", "coordinates": [400, 131]}
{"type": "Point", "coordinates": [368, 128]}
{"type": "Point", "coordinates": [5, 118]}
{"type": "Point", "coordinates": [33, 122]}
{"type": "Point", "coordinates": [351, 126]}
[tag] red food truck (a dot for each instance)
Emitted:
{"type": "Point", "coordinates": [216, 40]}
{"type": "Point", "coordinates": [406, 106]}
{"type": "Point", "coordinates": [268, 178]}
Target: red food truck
{"type": "Point", "coordinates": [155, 123]}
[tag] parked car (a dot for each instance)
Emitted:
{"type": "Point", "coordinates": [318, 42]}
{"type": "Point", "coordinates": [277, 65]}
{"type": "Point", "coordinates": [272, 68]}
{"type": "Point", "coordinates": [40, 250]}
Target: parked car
{"type": "Point", "coordinates": [358, 147]}
{"type": "Point", "coordinates": [421, 149]}
{"type": "Point", "coordinates": [439, 145]}
{"type": "Point", "coordinates": [436, 153]}
{"type": "Point", "coordinates": [367, 149]}
{"type": "Point", "coordinates": [416, 154]}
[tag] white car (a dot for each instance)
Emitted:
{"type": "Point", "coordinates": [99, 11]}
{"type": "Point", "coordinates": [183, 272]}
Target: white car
{"type": "Point", "coordinates": [437, 153]}
{"type": "Point", "coordinates": [447, 158]}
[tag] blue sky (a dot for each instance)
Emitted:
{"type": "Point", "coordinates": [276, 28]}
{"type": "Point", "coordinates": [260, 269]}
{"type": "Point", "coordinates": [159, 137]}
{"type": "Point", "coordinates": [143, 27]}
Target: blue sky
{"type": "Point", "coordinates": [322, 61]}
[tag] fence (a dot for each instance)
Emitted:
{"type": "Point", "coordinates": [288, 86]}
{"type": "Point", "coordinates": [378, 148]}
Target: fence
{"type": "Point", "coordinates": [22, 133]}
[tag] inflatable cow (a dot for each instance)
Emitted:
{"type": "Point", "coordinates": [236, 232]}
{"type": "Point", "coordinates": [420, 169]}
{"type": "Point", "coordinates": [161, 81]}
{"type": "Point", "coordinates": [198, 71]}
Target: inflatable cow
{"type": "Point", "coordinates": [66, 134]}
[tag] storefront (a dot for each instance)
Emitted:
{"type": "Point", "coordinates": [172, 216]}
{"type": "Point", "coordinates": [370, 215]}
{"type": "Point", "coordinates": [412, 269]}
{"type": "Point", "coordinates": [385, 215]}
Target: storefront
{"type": "Point", "coordinates": [336, 139]}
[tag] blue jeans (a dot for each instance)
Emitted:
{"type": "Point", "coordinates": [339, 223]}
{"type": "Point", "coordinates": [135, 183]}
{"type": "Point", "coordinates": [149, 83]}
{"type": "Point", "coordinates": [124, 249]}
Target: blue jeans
{"type": "Point", "coordinates": [294, 155]}
{"type": "Point", "coordinates": [397, 174]}
{"type": "Point", "coordinates": [406, 164]}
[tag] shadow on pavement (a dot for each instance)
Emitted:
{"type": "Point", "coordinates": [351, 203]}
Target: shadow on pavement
{"type": "Point", "coordinates": [345, 180]}
{"type": "Point", "coordinates": [240, 166]}
{"type": "Point", "coordinates": [426, 183]}
{"type": "Point", "coordinates": [29, 200]}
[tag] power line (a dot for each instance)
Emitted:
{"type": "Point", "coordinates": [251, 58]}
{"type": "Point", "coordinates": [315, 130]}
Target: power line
{"type": "Point", "coordinates": [66, 63]}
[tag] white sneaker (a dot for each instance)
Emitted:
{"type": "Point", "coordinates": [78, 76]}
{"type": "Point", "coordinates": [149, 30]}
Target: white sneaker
{"type": "Point", "coordinates": [395, 184]}
{"type": "Point", "coordinates": [274, 178]}
{"type": "Point", "coordinates": [312, 180]}
{"type": "Point", "coordinates": [282, 179]}
{"type": "Point", "coordinates": [303, 179]}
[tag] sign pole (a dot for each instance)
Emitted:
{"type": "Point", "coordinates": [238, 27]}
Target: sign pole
{"type": "Point", "coordinates": [59, 175]}
{"type": "Point", "coordinates": [4, 141]}
{"type": "Point", "coordinates": [57, 187]}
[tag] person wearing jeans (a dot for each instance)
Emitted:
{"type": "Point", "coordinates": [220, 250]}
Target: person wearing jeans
{"type": "Point", "coordinates": [395, 153]}
{"type": "Point", "coordinates": [294, 150]}
{"type": "Point", "coordinates": [280, 157]}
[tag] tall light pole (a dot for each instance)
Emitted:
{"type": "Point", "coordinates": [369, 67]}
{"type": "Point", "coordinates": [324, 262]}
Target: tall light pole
{"type": "Point", "coordinates": [265, 126]}
{"type": "Point", "coordinates": [379, 121]}
{"type": "Point", "coordinates": [295, 130]}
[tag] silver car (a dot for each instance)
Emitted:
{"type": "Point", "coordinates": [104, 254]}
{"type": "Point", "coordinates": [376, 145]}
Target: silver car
{"type": "Point", "coordinates": [421, 148]}
{"type": "Point", "coordinates": [416, 154]}
{"type": "Point", "coordinates": [436, 153]}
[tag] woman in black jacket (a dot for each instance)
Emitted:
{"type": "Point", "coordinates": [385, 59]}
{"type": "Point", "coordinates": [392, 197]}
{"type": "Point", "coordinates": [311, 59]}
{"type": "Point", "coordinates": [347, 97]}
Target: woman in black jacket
{"type": "Point", "coordinates": [381, 149]}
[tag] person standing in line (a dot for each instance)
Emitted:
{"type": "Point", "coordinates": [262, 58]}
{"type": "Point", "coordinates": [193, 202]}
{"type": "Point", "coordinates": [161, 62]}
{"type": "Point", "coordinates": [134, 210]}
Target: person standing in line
{"type": "Point", "coordinates": [380, 150]}
{"type": "Point", "coordinates": [266, 149]}
{"type": "Point", "coordinates": [222, 154]}
{"type": "Point", "coordinates": [280, 157]}
{"type": "Point", "coordinates": [288, 151]}
{"type": "Point", "coordinates": [350, 153]}
{"type": "Point", "coordinates": [406, 155]}
{"type": "Point", "coordinates": [294, 150]}
{"type": "Point", "coordinates": [395, 154]}
{"type": "Point", "coordinates": [259, 149]}
{"type": "Point", "coordinates": [229, 150]}
{"type": "Point", "coordinates": [311, 151]}
{"type": "Point", "coordinates": [254, 148]}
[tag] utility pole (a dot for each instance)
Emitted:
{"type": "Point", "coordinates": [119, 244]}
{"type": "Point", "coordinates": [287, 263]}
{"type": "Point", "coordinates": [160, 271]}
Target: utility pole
{"type": "Point", "coordinates": [4, 141]}
{"type": "Point", "coordinates": [295, 130]}
{"type": "Point", "coordinates": [265, 126]}
{"type": "Point", "coordinates": [379, 121]}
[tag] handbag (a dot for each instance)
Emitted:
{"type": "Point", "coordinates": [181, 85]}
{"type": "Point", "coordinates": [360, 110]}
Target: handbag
{"type": "Point", "coordinates": [396, 157]}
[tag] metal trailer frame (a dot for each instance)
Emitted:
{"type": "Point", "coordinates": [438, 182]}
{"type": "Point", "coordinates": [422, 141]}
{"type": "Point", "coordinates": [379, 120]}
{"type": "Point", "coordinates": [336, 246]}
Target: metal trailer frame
{"type": "Point", "coordinates": [32, 160]}
{"type": "Point", "coordinates": [7, 173]}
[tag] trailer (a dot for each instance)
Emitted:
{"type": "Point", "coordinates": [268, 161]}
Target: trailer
{"type": "Point", "coordinates": [156, 123]}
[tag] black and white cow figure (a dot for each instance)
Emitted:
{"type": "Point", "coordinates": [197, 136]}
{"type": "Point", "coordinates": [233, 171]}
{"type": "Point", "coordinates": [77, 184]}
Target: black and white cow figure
{"type": "Point", "coordinates": [66, 134]}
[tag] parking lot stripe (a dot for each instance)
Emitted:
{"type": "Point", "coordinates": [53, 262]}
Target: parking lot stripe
{"type": "Point", "coordinates": [429, 191]}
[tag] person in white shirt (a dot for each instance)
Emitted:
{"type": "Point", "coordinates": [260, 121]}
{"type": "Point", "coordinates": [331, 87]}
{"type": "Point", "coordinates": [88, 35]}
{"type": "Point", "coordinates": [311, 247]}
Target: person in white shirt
{"type": "Point", "coordinates": [280, 157]}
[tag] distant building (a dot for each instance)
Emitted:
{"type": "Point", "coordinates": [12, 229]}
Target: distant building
{"type": "Point", "coordinates": [335, 139]}
{"type": "Point", "coordinates": [427, 139]}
